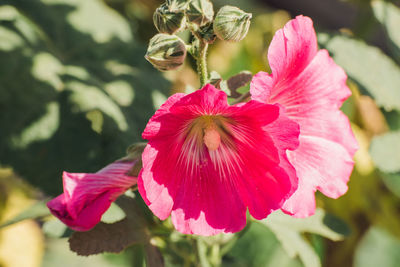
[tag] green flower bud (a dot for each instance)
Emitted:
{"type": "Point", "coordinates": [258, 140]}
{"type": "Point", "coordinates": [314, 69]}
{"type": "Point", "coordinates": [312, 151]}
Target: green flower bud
{"type": "Point", "coordinates": [231, 23]}
{"type": "Point", "coordinates": [177, 5]}
{"type": "Point", "coordinates": [168, 20]}
{"type": "Point", "coordinates": [166, 52]}
{"type": "Point", "coordinates": [200, 12]}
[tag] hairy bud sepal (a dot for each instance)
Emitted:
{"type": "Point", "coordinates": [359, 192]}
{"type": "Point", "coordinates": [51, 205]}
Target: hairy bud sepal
{"type": "Point", "coordinates": [231, 24]}
{"type": "Point", "coordinates": [177, 5]}
{"type": "Point", "coordinates": [168, 20]}
{"type": "Point", "coordinates": [166, 52]}
{"type": "Point", "coordinates": [200, 12]}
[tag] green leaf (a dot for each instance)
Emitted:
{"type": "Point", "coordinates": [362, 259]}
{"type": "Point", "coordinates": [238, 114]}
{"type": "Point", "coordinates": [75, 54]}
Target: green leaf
{"type": "Point", "coordinates": [117, 236]}
{"type": "Point", "coordinates": [104, 26]}
{"type": "Point", "coordinates": [385, 151]}
{"type": "Point", "coordinates": [377, 248]}
{"type": "Point", "coordinates": [256, 247]}
{"type": "Point", "coordinates": [369, 67]}
{"type": "Point", "coordinates": [42, 129]}
{"type": "Point", "coordinates": [107, 238]}
{"type": "Point", "coordinates": [393, 119]}
{"type": "Point", "coordinates": [54, 228]}
{"type": "Point", "coordinates": [113, 214]}
{"type": "Point", "coordinates": [57, 253]}
{"type": "Point", "coordinates": [389, 16]}
{"type": "Point", "coordinates": [37, 210]}
{"type": "Point", "coordinates": [88, 98]}
{"type": "Point", "coordinates": [320, 223]}
{"type": "Point", "coordinates": [215, 79]}
{"type": "Point", "coordinates": [9, 40]}
{"type": "Point", "coordinates": [392, 182]}
{"type": "Point", "coordinates": [289, 231]}
{"type": "Point", "coordinates": [47, 45]}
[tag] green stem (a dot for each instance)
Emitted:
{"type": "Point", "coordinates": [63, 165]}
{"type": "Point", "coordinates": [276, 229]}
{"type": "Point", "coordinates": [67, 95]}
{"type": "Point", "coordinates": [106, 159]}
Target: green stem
{"type": "Point", "coordinates": [202, 253]}
{"type": "Point", "coordinates": [202, 63]}
{"type": "Point", "coordinates": [215, 257]}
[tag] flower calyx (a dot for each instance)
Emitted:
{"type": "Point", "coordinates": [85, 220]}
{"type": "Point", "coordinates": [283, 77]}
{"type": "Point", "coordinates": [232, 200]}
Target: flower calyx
{"type": "Point", "coordinates": [231, 24]}
{"type": "Point", "coordinates": [200, 12]}
{"type": "Point", "coordinates": [166, 52]}
{"type": "Point", "coordinates": [177, 5]}
{"type": "Point", "coordinates": [168, 18]}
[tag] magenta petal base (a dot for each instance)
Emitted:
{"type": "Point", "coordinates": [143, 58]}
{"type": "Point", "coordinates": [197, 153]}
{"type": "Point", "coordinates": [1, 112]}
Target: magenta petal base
{"type": "Point", "coordinates": [206, 162]}
{"type": "Point", "coordinates": [88, 195]}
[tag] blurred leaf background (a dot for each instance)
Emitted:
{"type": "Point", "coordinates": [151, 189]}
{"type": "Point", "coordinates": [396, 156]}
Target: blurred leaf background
{"type": "Point", "coordinates": [75, 91]}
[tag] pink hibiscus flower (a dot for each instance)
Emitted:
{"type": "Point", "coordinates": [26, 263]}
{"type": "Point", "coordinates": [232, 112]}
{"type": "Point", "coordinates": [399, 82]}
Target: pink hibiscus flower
{"type": "Point", "coordinates": [88, 195]}
{"type": "Point", "coordinates": [311, 88]}
{"type": "Point", "coordinates": [206, 162]}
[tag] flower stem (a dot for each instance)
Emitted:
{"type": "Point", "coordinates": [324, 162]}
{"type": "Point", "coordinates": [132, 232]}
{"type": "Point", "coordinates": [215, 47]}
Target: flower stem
{"type": "Point", "coordinates": [202, 253]}
{"type": "Point", "coordinates": [202, 63]}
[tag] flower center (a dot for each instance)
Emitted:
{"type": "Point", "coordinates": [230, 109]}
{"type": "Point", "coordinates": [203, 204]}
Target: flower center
{"type": "Point", "coordinates": [211, 138]}
{"type": "Point", "coordinates": [208, 130]}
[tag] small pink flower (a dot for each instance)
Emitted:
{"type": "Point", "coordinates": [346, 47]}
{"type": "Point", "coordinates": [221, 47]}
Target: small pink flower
{"type": "Point", "coordinates": [206, 162]}
{"type": "Point", "coordinates": [88, 195]}
{"type": "Point", "coordinates": [311, 88]}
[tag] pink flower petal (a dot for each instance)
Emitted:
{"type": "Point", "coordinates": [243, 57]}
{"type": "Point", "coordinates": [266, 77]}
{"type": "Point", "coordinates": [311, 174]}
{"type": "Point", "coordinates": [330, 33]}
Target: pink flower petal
{"type": "Point", "coordinates": [207, 191]}
{"type": "Point", "coordinates": [292, 49]}
{"type": "Point", "coordinates": [313, 99]}
{"type": "Point", "coordinates": [88, 195]}
{"type": "Point", "coordinates": [316, 161]}
{"type": "Point", "coordinates": [311, 88]}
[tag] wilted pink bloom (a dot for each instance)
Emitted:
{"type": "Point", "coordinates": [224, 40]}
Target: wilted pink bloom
{"type": "Point", "coordinates": [311, 88]}
{"type": "Point", "coordinates": [206, 162]}
{"type": "Point", "coordinates": [88, 195]}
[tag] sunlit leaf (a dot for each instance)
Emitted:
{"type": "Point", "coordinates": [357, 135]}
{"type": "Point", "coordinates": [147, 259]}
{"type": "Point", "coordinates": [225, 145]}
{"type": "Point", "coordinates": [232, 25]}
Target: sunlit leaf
{"type": "Point", "coordinates": [369, 67]}
{"type": "Point", "coordinates": [289, 231]}
{"type": "Point", "coordinates": [47, 68]}
{"type": "Point", "coordinates": [104, 26]}
{"type": "Point", "coordinates": [121, 92]}
{"type": "Point", "coordinates": [377, 248]}
{"type": "Point", "coordinates": [86, 98]}
{"type": "Point", "coordinates": [9, 40]}
{"type": "Point", "coordinates": [258, 247]}
{"type": "Point", "coordinates": [37, 210]}
{"type": "Point", "coordinates": [385, 151]}
{"type": "Point", "coordinates": [113, 214]}
{"type": "Point", "coordinates": [158, 99]}
{"type": "Point", "coordinates": [389, 16]}
{"type": "Point", "coordinates": [59, 254]}
{"type": "Point", "coordinates": [42, 129]}
{"type": "Point", "coordinates": [54, 228]}
{"type": "Point", "coordinates": [320, 223]}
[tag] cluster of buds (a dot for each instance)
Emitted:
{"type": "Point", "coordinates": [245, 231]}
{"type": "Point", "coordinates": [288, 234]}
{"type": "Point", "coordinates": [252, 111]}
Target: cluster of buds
{"type": "Point", "coordinates": [167, 51]}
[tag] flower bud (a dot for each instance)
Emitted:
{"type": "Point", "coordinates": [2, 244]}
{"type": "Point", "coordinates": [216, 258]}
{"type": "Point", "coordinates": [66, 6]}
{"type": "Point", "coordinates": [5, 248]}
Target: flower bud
{"type": "Point", "coordinates": [200, 12]}
{"type": "Point", "coordinates": [231, 23]}
{"type": "Point", "coordinates": [167, 20]}
{"type": "Point", "coordinates": [166, 52]}
{"type": "Point", "coordinates": [177, 5]}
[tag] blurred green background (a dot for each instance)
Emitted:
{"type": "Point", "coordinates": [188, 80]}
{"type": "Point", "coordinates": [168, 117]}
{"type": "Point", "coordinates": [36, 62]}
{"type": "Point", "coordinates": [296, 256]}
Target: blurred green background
{"type": "Point", "coordinates": [75, 91]}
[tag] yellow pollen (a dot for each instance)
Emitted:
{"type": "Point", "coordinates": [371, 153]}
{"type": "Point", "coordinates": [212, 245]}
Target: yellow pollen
{"type": "Point", "coordinates": [211, 139]}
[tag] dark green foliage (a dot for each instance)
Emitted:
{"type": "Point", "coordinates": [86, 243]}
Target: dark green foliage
{"type": "Point", "coordinates": [72, 97]}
